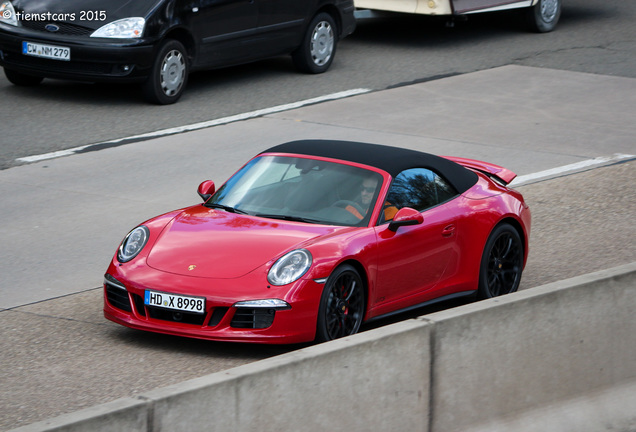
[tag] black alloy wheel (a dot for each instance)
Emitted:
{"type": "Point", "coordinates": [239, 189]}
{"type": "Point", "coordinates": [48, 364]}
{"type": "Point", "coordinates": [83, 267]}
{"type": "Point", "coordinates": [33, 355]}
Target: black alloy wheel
{"type": "Point", "coordinates": [341, 306]}
{"type": "Point", "coordinates": [501, 263]}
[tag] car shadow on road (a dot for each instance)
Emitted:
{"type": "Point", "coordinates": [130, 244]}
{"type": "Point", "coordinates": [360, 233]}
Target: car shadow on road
{"type": "Point", "coordinates": [79, 93]}
{"type": "Point", "coordinates": [177, 344]}
{"type": "Point", "coordinates": [130, 94]}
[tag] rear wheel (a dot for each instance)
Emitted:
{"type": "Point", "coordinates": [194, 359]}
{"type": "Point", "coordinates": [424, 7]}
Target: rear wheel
{"type": "Point", "coordinates": [21, 79]}
{"type": "Point", "coordinates": [318, 48]}
{"type": "Point", "coordinates": [169, 74]}
{"type": "Point", "coordinates": [544, 16]}
{"type": "Point", "coordinates": [341, 305]}
{"type": "Point", "coordinates": [501, 263]}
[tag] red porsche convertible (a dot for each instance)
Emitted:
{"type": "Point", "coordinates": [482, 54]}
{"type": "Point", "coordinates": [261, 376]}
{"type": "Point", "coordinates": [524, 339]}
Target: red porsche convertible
{"type": "Point", "coordinates": [312, 238]}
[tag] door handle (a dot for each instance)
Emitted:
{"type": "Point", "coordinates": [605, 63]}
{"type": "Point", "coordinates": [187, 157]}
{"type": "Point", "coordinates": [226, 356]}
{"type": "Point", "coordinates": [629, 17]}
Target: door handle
{"type": "Point", "coordinates": [449, 231]}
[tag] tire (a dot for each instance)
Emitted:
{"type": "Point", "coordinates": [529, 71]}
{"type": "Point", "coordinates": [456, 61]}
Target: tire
{"type": "Point", "coordinates": [21, 79]}
{"type": "Point", "coordinates": [318, 48]}
{"type": "Point", "coordinates": [169, 74]}
{"type": "Point", "coordinates": [544, 16]}
{"type": "Point", "coordinates": [501, 263]}
{"type": "Point", "coordinates": [341, 306]}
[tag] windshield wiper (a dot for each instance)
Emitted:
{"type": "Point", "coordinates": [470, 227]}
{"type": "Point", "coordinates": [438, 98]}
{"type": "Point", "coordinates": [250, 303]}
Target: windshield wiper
{"type": "Point", "coordinates": [226, 208]}
{"type": "Point", "coordinates": [289, 218]}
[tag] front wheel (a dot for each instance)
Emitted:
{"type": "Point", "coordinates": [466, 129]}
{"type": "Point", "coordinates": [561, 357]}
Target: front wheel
{"type": "Point", "coordinates": [501, 263]}
{"type": "Point", "coordinates": [544, 16]}
{"type": "Point", "coordinates": [341, 306]}
{"type": "Point", "coordinates": [318, 48]}
{"type": "Point", "coordinates": [169, 74]}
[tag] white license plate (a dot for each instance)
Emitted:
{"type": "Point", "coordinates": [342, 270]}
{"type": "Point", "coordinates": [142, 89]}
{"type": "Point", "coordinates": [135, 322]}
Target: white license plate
{"type": "Point", "coordinates": [46, 51]}
{"type": "Point", "coordinates": [175, 302]}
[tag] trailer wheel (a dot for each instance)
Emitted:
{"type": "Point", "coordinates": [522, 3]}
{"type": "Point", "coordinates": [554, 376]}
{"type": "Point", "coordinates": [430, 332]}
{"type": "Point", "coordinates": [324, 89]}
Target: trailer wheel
{"type": "Point", "coordinates": [544, 16]}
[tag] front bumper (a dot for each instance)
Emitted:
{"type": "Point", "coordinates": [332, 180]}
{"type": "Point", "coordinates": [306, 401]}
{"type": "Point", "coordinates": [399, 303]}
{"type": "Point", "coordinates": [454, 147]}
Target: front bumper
{"type": "Point", "coordinates": [124, 304]}
{"type": "Point", "coordinates": [92, 59]}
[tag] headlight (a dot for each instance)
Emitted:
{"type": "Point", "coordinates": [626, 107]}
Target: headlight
{"type": "Point", "coordinates": [290, 267]}
{"type": "Point", "coordinates": [123, 28]}
{"type": "Point", "coordinates": [133, 243]}
{"type": "Point", "coordinates": [7, 14]}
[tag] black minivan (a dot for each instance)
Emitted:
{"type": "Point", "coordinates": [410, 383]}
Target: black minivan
{"type": "Point", "coordinates": [159, 42]}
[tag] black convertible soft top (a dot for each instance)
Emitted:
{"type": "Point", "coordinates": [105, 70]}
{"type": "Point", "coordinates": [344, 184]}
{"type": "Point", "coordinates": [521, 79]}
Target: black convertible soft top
{"type": "Point", "coordinates": [393, 160]}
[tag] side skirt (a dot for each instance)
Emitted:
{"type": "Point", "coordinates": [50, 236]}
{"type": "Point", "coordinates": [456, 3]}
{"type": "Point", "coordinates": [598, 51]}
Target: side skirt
{"type": "Point", "coordinates": [421, 305]}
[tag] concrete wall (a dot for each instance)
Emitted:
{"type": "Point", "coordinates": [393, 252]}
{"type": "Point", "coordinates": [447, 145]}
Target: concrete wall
{"type": "Point", "coordinates": [537, 360]}
{"type": "Point", "coordinates": [324, 389]}
{"type": "Point", "coordinates": [534, 348]}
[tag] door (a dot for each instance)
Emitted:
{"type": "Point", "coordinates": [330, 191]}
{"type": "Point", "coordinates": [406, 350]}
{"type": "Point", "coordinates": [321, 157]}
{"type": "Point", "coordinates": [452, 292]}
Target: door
{"type": "Point", "coordinates": [283, 23]}
{"type": "Point", "coordinates": [225, 30]}
{"type": "Point", "coordinates": [414, 259]}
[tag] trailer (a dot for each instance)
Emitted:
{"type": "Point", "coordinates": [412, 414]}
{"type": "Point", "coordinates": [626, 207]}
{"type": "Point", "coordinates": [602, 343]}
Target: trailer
{"type": "Point", "coordinates": [542, 15]}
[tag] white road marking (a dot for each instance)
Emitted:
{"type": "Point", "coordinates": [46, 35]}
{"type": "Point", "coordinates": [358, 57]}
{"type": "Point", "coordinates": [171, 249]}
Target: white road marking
{"type": "Point", "coordinates": [196, 126]}
{"type": "Point", "coordinates": [567, 169]}
{"type": "Point", "coordinates": [519, 181]}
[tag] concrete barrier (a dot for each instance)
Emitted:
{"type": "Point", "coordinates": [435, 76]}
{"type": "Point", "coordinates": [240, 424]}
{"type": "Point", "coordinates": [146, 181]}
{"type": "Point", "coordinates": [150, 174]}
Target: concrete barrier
{"type": "Point", "coordinates": [537, 360]}
{"type": "Point", "coordinates": [535, 348]}
{"type": "Point", "coordinates": [349, 385]}
{"type": "Point", "coordinates": [128, 414]}
{"type": "Point", "coordinates": [610, 409]}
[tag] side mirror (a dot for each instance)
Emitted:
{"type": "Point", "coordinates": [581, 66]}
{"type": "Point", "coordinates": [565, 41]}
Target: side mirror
{"type": "Point", "coordinates": [206, 190]}
{"type": "Point", "coordinates": [404, 217]}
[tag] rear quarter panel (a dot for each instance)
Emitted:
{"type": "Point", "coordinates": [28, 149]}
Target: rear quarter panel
{"type": "Point", "coordinates": [481, 209]}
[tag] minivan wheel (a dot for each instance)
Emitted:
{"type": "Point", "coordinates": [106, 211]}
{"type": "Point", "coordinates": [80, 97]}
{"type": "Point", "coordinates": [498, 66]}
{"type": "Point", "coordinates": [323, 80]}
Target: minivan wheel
{"type": "Point", "coordinates": [318, 48]}
{"type": "Point", "coordinates": [169, 74]}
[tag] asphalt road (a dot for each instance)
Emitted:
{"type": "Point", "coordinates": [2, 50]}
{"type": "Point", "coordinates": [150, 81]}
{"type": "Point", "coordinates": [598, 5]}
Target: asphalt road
{"type": "Point", "coordinates": [594, 37]}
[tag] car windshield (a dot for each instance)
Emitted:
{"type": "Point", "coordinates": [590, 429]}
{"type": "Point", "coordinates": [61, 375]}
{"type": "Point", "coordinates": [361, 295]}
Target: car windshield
{"type": "Point", "coordinates": [301, 189]}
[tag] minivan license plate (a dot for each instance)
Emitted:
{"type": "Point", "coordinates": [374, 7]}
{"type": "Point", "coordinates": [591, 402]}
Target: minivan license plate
{"type": "Point", "coordinates": [46, 51]}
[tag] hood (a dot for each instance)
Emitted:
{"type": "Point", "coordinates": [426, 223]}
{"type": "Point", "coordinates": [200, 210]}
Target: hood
{"type": "Point", "coordinates": [75, 10]}
{"type": "Point", "coordinates": [204, 242]}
